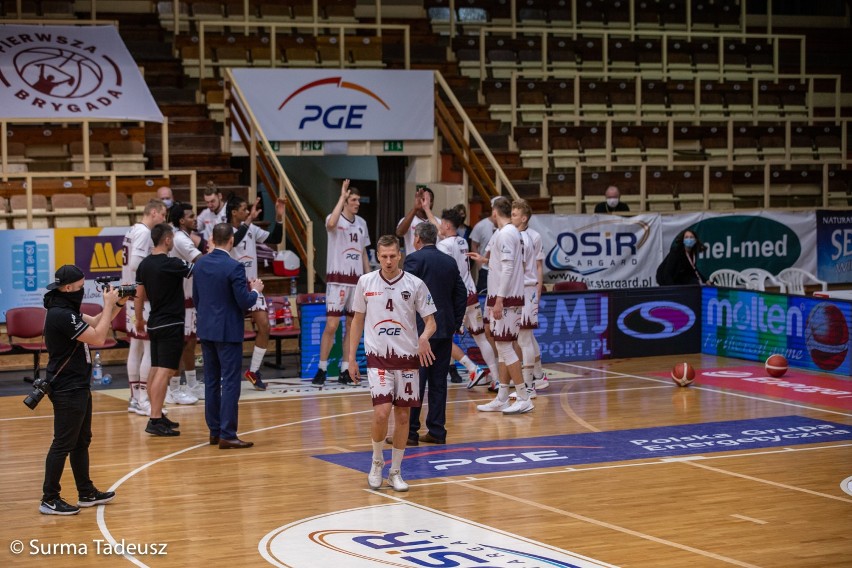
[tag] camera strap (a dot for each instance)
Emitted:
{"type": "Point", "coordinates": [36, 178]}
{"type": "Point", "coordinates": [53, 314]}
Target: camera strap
{"type": "Point", "coordinates": [56, 374]}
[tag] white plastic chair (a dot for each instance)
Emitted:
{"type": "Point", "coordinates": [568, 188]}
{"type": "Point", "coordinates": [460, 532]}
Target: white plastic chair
{"type": "Point", "coordinates": [756, 279]}
{"type": "Point", "coordinates": [796, 279]}
{"type": "Point", "coordinates": [727, 278]}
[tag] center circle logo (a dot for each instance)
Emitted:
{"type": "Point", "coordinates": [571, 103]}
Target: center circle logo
{"type": "Point", "coordinates": [58, 72]}
{"type": "Point", "coordinates": [656, 320]}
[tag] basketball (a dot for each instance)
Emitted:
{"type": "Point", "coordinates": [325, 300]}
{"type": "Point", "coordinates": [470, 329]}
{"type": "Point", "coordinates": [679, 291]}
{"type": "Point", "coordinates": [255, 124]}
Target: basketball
{"type": "Point", "coordinates": [683, 374]}
{"type": "Point", "coordinates": [776, 365]}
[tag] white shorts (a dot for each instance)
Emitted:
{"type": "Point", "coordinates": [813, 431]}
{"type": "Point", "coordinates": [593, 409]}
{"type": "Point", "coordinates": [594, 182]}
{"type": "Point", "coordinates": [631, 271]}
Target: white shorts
{"type": "Point", "coordinates": [529, 314]}
{"type": "Point", "coordinates": [473, 320]}
{"type": "Point", "coordinates": [507, 327]}
{"type": "Point", "coordinates": [402, 388]}
{"type": "Point", "coordinates": [189, 319]}
{"type": "Point", "coordinates": [130, 318]}
{"type": "Point", "coordinates": [338, 300]}
{"type": "Point", "coordinates": [259, 304]}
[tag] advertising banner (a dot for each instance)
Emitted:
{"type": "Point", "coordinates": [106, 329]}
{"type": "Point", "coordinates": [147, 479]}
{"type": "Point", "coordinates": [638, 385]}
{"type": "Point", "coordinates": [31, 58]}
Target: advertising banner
{"type": "Point", "coordinates": [60, 72]}
{"type": "Point", "coordinates": [811, 333]}
{"type": "Point", "coordinates": [772, 241]}
{"type": "Point", "coordinates": [337, 104]}
{"type": "Point", "coordinates": [834, 245]}
{"type": "Point", "coordinates": [655, 321]}
{"type": "Point", "coordinates": [603, 250]}
{"type": "Point", "coordinates": [312, 323]}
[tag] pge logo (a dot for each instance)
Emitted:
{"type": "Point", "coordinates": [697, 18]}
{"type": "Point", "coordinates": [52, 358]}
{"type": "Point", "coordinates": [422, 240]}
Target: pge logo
{"type": "Point", "coordinates": [335, 116]}
{"type": "Point", "coordinates": [389, 328]}
{"type": "Point", "coordinates": [352, 254]}
{"type": "Point", "coordinates": [656, 320]}
{"type": "Point", "coordinates": [598, 246]}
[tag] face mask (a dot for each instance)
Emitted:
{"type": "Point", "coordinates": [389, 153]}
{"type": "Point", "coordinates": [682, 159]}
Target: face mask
{"type": "Point", "coordinates": [689, 243]}
{"type": "Point", "coordinates": [75, 298]}
{"type": "Point", "coordinates": [168, 203]}
{"type": "Point", "coordinates": [612, 201]}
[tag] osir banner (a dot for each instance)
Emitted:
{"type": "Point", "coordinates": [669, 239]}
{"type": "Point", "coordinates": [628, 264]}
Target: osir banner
{"type": "Point", "coordinates": [59, 72]}
{"type": "Point", "coordinates": [336, 104]}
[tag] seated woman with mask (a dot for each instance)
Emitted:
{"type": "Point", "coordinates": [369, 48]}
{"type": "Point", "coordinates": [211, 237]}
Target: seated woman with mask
{"type": "Point", "coordinates": [678, 268]}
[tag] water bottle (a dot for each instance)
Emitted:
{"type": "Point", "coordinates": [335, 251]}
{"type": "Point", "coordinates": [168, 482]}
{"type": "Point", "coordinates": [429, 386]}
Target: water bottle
{"type": "Point", "coordinates": [271, 314]}
{"type": "Point", "coordinates": [288, 314]}
{"type": "Point", "coordinates": [293, 289]}
{"type": "Point", "coordinates": [97, 370]}
{"type": "Point", "coordinates": [107, 380]}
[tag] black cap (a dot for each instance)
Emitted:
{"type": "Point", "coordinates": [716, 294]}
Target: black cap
{"type": "Point", "coordinates": [66, 274]}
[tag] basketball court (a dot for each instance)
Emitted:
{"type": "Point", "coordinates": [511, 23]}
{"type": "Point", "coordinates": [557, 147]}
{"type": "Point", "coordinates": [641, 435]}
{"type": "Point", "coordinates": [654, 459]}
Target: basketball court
{"type": "Point", "coordinates": [616, 466]}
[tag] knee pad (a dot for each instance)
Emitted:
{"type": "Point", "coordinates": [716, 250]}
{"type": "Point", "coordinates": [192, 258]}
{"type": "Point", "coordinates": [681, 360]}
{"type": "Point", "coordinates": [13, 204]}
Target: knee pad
{"type": "Point", "coordinates": [506, 352]}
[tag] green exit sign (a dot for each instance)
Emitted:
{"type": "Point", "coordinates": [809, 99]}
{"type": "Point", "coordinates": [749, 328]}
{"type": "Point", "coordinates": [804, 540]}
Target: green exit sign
{"type": "Point", "coordinates": [393, 145]}
{"type": "Point", "coordinates": [312, 145]}
{"type": "Point", "coordinates": [276, 145]}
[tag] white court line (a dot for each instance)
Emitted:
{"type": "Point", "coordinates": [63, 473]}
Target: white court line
{"type": "Point", "coordinates": [750, 519]}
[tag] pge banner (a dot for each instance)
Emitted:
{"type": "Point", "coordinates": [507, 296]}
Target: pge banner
{"type": "Point", "coordinates": [811, 333]}
{"type": "Point", "coordinates": [834, 245]}
{"type": "Point", "coordinates": [337, 104]}
{"type": "Point", "coordinates": [605, 251]}
{"type": "Point", "coordinates": [772, 241]}
{"type": "Point", "coordinates": [655, 321]}
{"type": "Point", "coordinates": [56, 72]}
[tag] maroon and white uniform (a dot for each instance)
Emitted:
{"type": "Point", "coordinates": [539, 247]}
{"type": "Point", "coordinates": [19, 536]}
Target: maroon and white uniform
{"type": "Point", "coordinates": [457, 248]}
{"type": "Point", "coordinates": [533, 253]}
{"type": "Point", "coordinates": [246, 254]}
{"type": "Point", "coordinates": [207, 219]}
{"type": "Point", "coordinates": [186, 250]}
{"type": "Point", "coordinates": [347, 244]}
{"type": "Point", "coordinates": [136, 247]}
{"type": "Point", "coordinates": [390, 334]}
{"type": "Point", "coordinates": [506, 279]}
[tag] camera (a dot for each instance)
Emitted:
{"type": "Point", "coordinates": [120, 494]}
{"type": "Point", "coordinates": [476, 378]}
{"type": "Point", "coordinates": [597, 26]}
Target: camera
{"type": "Point", "coordinates": [124, 290]}
{"type": "Point", "coordinates": [41, 387]}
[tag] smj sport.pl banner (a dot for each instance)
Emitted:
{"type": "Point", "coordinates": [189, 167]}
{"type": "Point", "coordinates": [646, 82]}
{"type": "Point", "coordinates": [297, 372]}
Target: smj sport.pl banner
{"type": "Point", "coordinates": [62, 72]}
{"type": "Point", "coordinates": [603, 250]}
{"type": "Point", "coordinates": [834, 245]}
{"type": "Point", "coordinates": [336, 104]}
{"type": "Point", "coordinates": [811, 333]}
{"type": "Point", "coordinates": [769, 240]}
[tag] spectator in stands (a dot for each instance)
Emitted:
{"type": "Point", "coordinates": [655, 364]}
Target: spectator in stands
{"type": "Point", "coordinates": [613, 203]}
{"type": "Point", "coordinates": [68, 334]}
{"type": "Point", "coordinates": [421, 211]}
{"type": "Point", "coordinates": [244, 250]}
{"type": "Point", "coordinates": [678, 268]}
{"type": "Point", "coordinates": [159, 279]}
{"type": "Point", "coordinates": [215, 212]}
{"type": "Point", "coordinates": [164, 194]}
{"type": "Point", "coordinates": [346, 261]}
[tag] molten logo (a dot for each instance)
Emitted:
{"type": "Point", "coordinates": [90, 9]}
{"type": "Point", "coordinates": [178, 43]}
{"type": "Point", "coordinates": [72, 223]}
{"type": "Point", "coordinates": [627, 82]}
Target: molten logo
{"type": "Point", "coordinates": [656, 320]}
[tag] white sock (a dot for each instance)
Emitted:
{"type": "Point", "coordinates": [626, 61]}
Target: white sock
{"type": "Point", "coordinates": [191, 379]}
{"type": "Point", "coordinates": [468, 364]}
{"type": "Point", "coordinates": [529, 381]}
{"type": "Point", "coordinates": [344, 366]}
{"type": "Point", "coordinates": [134, 361]}
{"type": "Point", "coordinates": [396, 459]}
{"type": "Point", "coordinates": [502, 392]}
{"type": "Point", "coordinates": [174, 383]}
{"type": "Point", "coordinates": [537, 370]}
{"type": "Point", "coordinates": [377, 450]}
{"type": "Point", "coordinates": [256, 359]}
{"type": "Point", "coordinates": [323, 365]}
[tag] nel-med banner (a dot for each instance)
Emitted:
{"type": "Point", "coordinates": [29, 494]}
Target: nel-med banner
{"type": "Point", "coordinates": [59, 72]}
{"type": "Point", "coordinates": [338, 104]}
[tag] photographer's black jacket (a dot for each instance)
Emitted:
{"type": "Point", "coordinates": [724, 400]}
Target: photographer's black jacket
{"type": "Point", "coordinates": [62, 326]}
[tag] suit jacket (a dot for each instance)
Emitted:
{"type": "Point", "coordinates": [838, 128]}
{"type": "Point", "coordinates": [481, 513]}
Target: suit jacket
{"type": "Point", "coordinates": [441, 275]}
{"type": "Point", "coordinates": [221, 297]}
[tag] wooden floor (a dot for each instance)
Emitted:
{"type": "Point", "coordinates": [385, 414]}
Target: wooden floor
{"type": "Point", "coordinates": [277, 503]}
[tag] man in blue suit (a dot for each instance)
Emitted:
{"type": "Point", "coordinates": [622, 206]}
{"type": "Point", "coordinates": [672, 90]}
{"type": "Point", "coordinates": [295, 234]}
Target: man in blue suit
{"type": "Point", "coordinates": [220, 293]}
{"type": "Point", "coordinates": [441, 275]}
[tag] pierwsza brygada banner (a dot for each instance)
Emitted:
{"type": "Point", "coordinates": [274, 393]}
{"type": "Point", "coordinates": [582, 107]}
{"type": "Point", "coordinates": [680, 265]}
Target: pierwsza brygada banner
{"type": "Point", "coordinates": [62, 72]}
{"type": "Point", "coordinates": [335, 104]}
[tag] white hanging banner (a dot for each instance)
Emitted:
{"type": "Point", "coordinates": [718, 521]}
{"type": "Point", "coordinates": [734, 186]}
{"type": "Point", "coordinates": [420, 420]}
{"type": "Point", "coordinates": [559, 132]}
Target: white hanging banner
{"type": "Point", "coordinates": [71, 72]}
{"type": "Point", "coordinates": [337, 104]}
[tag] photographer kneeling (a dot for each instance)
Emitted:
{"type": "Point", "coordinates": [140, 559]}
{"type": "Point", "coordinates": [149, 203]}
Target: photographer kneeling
{"type": "Point", "coordinates": [68, 334]}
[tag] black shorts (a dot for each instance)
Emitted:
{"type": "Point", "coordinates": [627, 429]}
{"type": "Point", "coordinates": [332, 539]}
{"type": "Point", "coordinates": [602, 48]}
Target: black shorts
{"type": "Point", "coordinates": [166, 346]}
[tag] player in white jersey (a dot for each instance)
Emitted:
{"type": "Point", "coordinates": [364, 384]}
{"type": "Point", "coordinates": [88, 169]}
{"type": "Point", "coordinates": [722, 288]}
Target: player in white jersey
{"type": "Point", "coordinates": [137, 245]}
{"type": "Point", "coordinates": [244, 251]}
{"type": "Point", "coordinates": [186, 242]}
{"type": "Point", "coordinates": [421, 212]}
{"type": "Point", "coordinates": [533, 284]}
{"type": "Point", "coordinates": [386, 302]}
{"type": "Point", "coordinates": [213, 214]}
{"type": "Point", "coordinates": [505, 303]}
{"type": "Point", "coordinates": [346, 262]}
{"type": "Point", "coordinates": [456, 246]}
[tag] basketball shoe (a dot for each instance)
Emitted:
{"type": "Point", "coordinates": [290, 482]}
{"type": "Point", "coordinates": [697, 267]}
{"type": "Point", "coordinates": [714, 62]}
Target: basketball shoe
{"type": "Point", "coordinates": [57, 507]}
{"type": "Point", "coordinates": [180, 395]}
{"type": "Point", "coordinates": [541, 383]}
{"type": "Point", "coordinates": [319, 378]}
{"type": "Point", "coordinates": [374, 479]}
{"type": "Point", "coordinates": [95, 498]}
{"type": "Point", "coordinates": [495, 405]}
{"type": "Point", "coordinates": [531, 392]}
{"type": "Point", "coordinates": [345, 378]}
{"type": "Point", "coordinates": [396, 482]}
{"type": "Point", "coordinates": [519, 407]}
{"type": "Point", "coordinates": [254, 377]}
{"type": "Point", "coordinates": [477, 377]}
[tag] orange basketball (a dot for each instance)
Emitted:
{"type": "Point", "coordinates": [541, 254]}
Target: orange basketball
{"type": "Point", "coordinates": [683, 374]}
{"type": "Point", "coordinates": [776, 365]}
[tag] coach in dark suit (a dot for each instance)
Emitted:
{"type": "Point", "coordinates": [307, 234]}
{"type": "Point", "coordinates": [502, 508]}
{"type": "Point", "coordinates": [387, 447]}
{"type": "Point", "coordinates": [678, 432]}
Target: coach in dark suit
{"type": "Point", "coordinates": [441, 275]}
{"type": "Point", "coordinates": [221, 295]}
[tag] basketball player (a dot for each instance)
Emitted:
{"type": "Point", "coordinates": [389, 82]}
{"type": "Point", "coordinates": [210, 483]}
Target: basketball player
{"type": "Point", "coordinates": [505, 302]}
{"type": "Point", "coordinates": [245, 252]}
{"type": "Point", "coordinates": [186, 242]}
{"type": "Point", "coordinates": [533, 282]}
{"type": "Point", "coordinates": [138, 245]}
{"type": "Point", "coordinates": [424, 198]}
{"type": "Point", "coordinates": [213, 214]}
{"type": "Point", "coordinates": [346, 261]}
{"type": "Point", "coordinates": [386, 302]}
{"type": "Point", "coordinates": [456, 246]}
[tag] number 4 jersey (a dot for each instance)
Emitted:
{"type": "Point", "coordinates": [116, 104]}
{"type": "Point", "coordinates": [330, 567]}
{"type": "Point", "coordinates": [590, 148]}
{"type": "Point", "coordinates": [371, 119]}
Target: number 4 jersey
{"type": "Point", "coordinates": [390, 323]}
